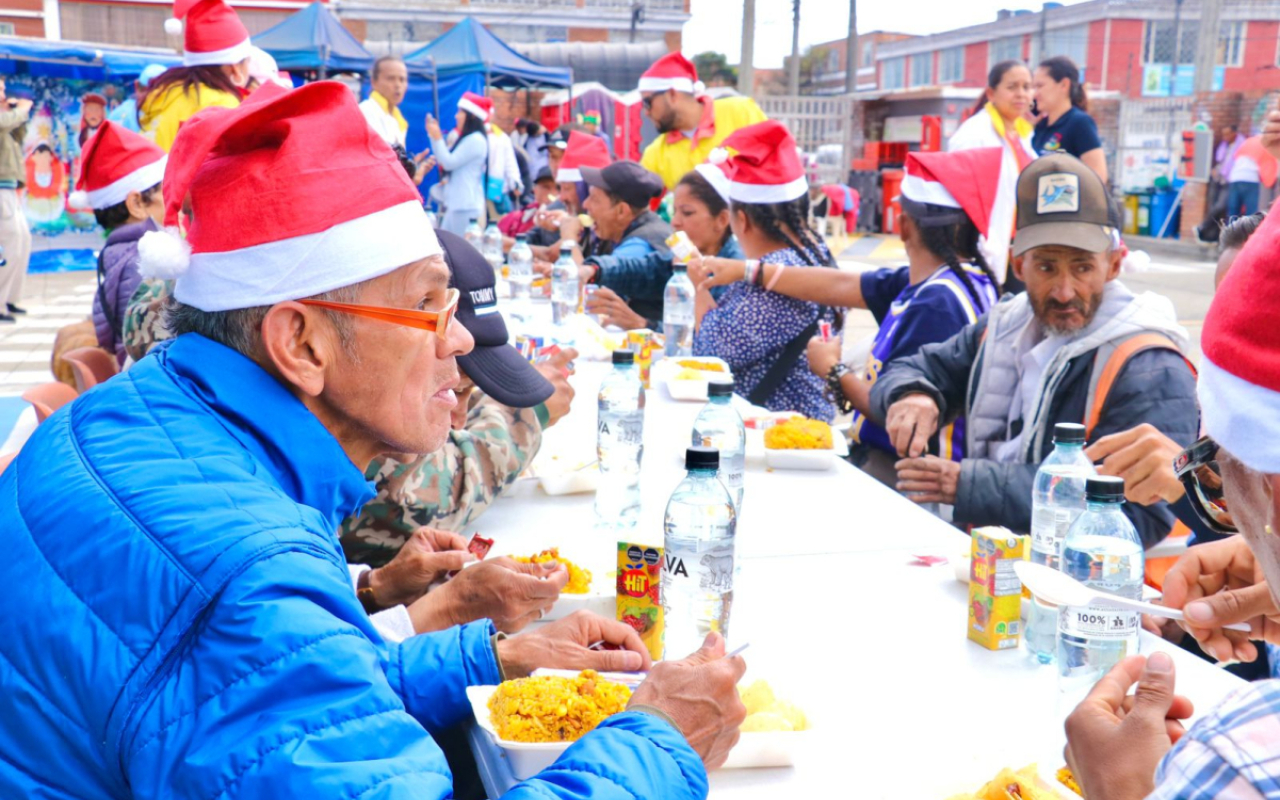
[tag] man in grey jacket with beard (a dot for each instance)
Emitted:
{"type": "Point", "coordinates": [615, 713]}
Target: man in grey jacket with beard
{"type": "Point", "coordinates": [1077, 346]}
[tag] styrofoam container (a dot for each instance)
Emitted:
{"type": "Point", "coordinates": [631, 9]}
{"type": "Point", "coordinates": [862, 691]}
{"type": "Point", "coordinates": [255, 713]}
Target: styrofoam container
{"type": "Point", "coordinates": [596, 601]}
{"type": "Point", "coordinates": [814, 460]}
{"type": "Point", "coordinates": [689, 390]}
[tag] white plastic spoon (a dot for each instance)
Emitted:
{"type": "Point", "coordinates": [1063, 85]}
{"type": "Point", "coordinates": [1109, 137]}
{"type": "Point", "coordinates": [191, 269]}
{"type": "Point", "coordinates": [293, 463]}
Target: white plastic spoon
{"type": "Point", "coordinates": [1060, 589]}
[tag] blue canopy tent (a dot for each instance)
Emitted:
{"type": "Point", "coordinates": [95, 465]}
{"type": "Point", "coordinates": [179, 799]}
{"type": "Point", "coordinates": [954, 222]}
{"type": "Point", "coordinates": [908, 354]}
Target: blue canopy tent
{"type": "Point", "coordinates": [313, 39]}
{"type": "Point", "coordinates": [78, 60]}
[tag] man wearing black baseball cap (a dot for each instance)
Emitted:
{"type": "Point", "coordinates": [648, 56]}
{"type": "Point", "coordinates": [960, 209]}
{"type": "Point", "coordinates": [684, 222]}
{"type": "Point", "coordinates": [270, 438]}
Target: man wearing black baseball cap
{"type": "Point", "coordinates": [1077, 346]}
{"type": "Point", "coordinates": [494, 437]}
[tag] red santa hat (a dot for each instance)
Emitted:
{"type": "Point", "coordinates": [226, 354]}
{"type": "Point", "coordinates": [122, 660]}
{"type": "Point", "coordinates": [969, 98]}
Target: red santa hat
{"type": "Point", "coordinates": [292, 195]}
{"type": "Point", "coordinates": [584, 150]}
{"type": "Point", "coordinates": [672, 71]}
{"type": "Point", "coordinates": [1239, 383]}
{"type": "Point", "coordinates": [213, 33]}
{"type": "Point", "coordinates": [966, 180]}
{"type": "Point", "coordinates": [114, 162]}
{"type": "Point", "coordinates": [476, 105]}
{"type": "Point", "coordinates": [765, 166]}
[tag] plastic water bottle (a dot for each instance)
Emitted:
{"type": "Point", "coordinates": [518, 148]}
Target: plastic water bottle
{"type": "Point", "coordinates": [1057, 500]}
{"type": "Point", "coordinates": [520, 262]}
{"type": "Point", "coordinates": [677, 313]}
{"type": "Point", "coordinates": [473, 235]}
{"type": "Point", "coordinates": [1102, 550]}
{"type": "Point", "coordinates": [719, 425]}
{"type": "Point", "coordinates": [491, 248]}
{"type": "Point", "coordinates": [698, 560]}
{"type": "Point", "coordinates": [564, 286]}
{"type": "Point", "coordinates": [620, 443]}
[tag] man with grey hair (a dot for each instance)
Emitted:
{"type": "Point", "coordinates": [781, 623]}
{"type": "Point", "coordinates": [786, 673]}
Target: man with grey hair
{"type": "Point", "coordinates": [1076, 347]}
{"type": "Point", "coordinates": [187, 627]}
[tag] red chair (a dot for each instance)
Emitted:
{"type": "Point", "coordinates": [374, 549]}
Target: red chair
{"type": "Point", "coordinates": [48, 398]}
{"type": "Point", "coordinates": [6, 460]}
{"type": "Point", "coordinates": [92, 366]}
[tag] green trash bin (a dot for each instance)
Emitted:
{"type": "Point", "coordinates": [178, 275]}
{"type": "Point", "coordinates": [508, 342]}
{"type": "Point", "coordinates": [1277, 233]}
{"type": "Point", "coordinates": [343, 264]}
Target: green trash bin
{"type": "Point", "coordinates": [1144, 213]}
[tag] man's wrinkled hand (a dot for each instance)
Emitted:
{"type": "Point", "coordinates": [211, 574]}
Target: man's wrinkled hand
{"type": "Point", "coordinates": [426, 556]}
{"type": "Point", "coordinates": [1271, 132]}
{"type": "Point", "coordinates": [613, 310]}
{"type": "Point", "coordinates": [929, 479]}
{"type": "Point", "coordinates": [509, 592]}
{"type": "Point", "coordinates": [566, 643]}
{"type": "Point", "coordinates": [557, 370]}
{"type": "Point", "coordinates": [1143, 457]}
{"type": "Point", "coordinates": [910, 422]}
{"type": "Point", "coordinates": [700, 695]}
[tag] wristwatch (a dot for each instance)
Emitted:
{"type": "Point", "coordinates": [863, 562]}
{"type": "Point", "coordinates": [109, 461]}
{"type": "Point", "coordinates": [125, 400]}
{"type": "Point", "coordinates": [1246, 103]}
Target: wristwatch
{"type": "Point", "coordinates": [834, 390]}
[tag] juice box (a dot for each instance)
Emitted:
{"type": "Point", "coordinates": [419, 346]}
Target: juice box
{"type": "Point", "coordinates": [645, 343]}
{"type": "Point", "coordinates": [995, 593]}
{"type": "Point", "coordinates": [682, 250]}
{"type": "Point", "coordinates": [639, 593]}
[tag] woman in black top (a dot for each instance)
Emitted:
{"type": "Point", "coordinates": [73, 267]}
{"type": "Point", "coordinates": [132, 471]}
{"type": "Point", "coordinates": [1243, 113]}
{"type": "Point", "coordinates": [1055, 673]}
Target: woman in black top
{"type": "Point", "coordinates": [1065, 126]}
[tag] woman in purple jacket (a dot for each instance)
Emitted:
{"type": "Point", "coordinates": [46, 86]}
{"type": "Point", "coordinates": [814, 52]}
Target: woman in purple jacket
{"type": "Point", "coordinates": [120, 179]}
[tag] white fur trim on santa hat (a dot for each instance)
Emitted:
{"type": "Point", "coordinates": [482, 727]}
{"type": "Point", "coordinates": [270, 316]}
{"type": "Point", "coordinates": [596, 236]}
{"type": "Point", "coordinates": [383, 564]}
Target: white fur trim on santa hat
{"type": "Point", "coordinates": [163, 254]}
{"type": "Point", "coordinates": [474, 110]}
{"type": "Point", "coordinates": [1242, 417]}
{"type": "Point", "coordinates": [716, 177]}
{"type": "Point", "coordinates": [572, 175]}
{"type": "Point", "coordinates": [305, 266]}
{"type": "Point", "coordinates": [768, 193]}
{"type": "Point", "coordinates": [922, 191]}
{"type": "Point", "coordinates": [139, 180]}
{"type": "Point", "coordinates": [231, 55]}
{"type": "Point", "coordinates": [679, 84]}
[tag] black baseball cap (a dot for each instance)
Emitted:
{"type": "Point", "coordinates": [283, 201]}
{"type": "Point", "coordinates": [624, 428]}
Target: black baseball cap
{"type": "Point", "coordinates": [558, 138]}
{"type": "Point", "coordinates": [1061, 201]}
{"type": "Point", "coordinates": [544, 174]}
{"type": "Point", "coordinates": [626, 179]}
{"type": "Point", "coordinates": [494, 365]}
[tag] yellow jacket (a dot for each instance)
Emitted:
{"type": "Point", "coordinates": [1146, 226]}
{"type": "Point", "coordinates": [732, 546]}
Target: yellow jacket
{"type": "Point", "coordinates": [671, 155]}
{"type": "Point", "coordinates": [162, 114]}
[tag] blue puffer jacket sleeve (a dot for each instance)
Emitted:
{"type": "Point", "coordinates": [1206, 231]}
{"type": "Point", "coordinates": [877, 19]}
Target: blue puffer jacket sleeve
{"type": "Point", "coordinates": [431, 673]}
{"type": "Point", "coordinates": [642, 276]}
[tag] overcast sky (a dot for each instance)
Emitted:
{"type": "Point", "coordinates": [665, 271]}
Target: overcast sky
{"type": "Point", "coordinates": [717, 24]}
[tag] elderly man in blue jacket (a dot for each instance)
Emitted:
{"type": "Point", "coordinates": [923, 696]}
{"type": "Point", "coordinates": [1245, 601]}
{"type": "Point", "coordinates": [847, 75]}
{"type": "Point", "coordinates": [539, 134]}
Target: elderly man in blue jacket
{"type": "Point", "coordinates": [180, 621]}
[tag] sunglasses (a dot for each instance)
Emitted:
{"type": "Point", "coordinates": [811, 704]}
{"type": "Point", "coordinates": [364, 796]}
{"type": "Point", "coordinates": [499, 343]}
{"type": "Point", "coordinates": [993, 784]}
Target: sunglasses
{"type": "Point", "coordinates": [1197, 469]}
{"type": "Point", "coordinates": [435, 321]}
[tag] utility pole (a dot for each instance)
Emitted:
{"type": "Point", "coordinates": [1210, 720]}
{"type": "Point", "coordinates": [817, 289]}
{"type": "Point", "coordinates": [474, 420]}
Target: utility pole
{"type": "Point", "coordinates": [1177, 46]}
{"type": "Point", "coordinates": [852, 58]}
{"type": "Point", "coordinates": [746, 64]}
{"type": "Point", "coordinates": [1207, 45]}
{"type": "Point", "coordinates": [793, 68]}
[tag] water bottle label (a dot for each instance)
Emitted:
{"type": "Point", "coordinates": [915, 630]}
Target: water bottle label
{"type": "Point", "coordinates": [1097, 622]}
{"type": "Point", "coordinates": [733, 480]}
{"type": "Point", "coordinates": [711, 569]}
{"type": "Point", "coordinates": [677, 316]}
{"type": "Point", "coordinates": [1049, 527]}
{"type": "Point", "coordinates": [624, 430]}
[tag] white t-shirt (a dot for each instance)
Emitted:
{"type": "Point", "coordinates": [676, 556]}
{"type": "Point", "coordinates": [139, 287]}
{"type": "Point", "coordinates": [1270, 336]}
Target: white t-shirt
{"type": "Point", "coordinates": [1244, 170]}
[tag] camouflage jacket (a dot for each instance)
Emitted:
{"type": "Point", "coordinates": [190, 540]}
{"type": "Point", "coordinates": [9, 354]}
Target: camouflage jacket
{"type": "Point", "coordinates": [445, 489]}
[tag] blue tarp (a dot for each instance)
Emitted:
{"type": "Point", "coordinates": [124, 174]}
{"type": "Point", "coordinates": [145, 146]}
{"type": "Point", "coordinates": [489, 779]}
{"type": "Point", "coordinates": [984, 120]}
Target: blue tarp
{"type": "Point", "coordinates": [468, 48]}
{"type": "Point", "coordinates": [313, 38]}
{"type": "Point", "coordinates": [77, 59]}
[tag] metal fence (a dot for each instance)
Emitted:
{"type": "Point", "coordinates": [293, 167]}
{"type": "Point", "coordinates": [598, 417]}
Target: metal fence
{"type": "Point", "coordinates": [1150, 140]}
{"type": "Point", "coordinates": [822, 127]}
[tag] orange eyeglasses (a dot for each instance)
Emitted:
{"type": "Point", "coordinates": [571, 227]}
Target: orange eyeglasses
{"type": "Point", "coordinates": [435, 321]}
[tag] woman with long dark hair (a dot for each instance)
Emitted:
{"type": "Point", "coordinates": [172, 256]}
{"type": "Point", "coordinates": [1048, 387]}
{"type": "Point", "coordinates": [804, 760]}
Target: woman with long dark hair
{"type": "Point", "coordinates": [465, 161]}
{"type": "Point", "coordinates": [999, 119]}
{"type": "Point", "coordinates": [1066, 126]}
{"type": "Point", "coordinates": [214, 71]}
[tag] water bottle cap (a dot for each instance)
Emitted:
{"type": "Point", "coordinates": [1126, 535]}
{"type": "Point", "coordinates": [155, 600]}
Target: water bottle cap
{"type": "Point", "coordinates": [1068, 433]}
{"type": "Point", "coordinates": [475, 220]}
{"type": "Point", "coordinates": [1104, 489]}
{"type": "Point", "coordinates": [566, 246]}
{"type": "Point", "coordinates": [720, 388]}
{"type": "Point", "coordinates": [624, 357]}
{"type": "Point", "coordinates": [702, 458]}
{"type": "Point", "coordinates": [522, 237]}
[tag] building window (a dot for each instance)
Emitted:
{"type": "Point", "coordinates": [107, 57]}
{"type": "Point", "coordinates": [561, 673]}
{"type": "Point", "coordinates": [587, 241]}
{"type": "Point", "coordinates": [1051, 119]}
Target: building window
{"type": "Point", "coordinates": [7, 29]}
{"type": "Point", "coordinates": [893, 73]}
{"type": "Point", "coordinates": [951, 65]}
{"type": "Point", "coordinates": [922, 69]}
{"type": "Point", "coordinates": [1231, 39]}
{"type": "Point", "coordinates": [1158, 44]}
{"type": "Point", "coordinates": [1007, 49]}
{"type": "Point", "coordinates": [1072, 42]}
{"type": "Point", "coordinates": [867, 55]}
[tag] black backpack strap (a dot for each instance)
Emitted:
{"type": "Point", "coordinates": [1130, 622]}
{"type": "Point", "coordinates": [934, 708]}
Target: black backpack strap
{"type": "Point", "coordinates": [786, 360]}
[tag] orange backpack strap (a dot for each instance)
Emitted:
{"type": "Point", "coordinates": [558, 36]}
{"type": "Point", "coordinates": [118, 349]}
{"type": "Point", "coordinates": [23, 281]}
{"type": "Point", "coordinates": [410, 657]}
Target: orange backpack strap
{"type": "Point", "coordinates": [1107, 364]}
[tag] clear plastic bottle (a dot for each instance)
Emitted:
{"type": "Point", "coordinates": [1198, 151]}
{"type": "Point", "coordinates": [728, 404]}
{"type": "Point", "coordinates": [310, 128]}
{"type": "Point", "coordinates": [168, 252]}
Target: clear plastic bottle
{"type": "Point", "coordinates": [564, 286]}
{"type": "Point", "coordinates": [1102, 550]}
{"type": "Point", "coordinates": [620, 443]}
{"type": "Point", "coordinates": [491, 248]}
{"type": "Point", "coordinates": [677, 313]}
{"type": "Point", "coordinates": [520, 262]}
{"type": "Point", "coordinates": [719, 425]}
{"type": "Point", "coordinates": [698, 556]}
{"type": "Point", "coordinates": [1057, 500]}
{"type": "Point", "coordinates": [474, 236]}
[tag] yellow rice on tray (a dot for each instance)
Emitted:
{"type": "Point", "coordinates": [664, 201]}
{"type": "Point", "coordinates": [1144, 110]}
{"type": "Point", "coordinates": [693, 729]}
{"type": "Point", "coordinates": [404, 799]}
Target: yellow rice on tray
{"type": "Point", "coordinates": [579, 578]}
{"type": "Point", "coordinates": [799, 433]}
{"type": "Point", "coordinates": [554, 709]}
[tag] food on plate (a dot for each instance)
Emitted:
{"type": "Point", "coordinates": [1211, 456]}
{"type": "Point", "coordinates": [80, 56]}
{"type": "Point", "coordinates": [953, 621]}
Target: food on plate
{"type": "Point", "coordinates": [639, 595]}
{"type": "Point", "coordinates": [701, 366]}
{"type": "Point", "coordinates": [1025, 784]}
{"type": "Point", "coordinates": [799, 433]}
{"type": "Point", "coordinates": [579, 578]}
{"type": "Point", "coordinates": [765, 712]}
{"type": "Point", "coordinates": [1068, 780]}
{"type": "Point", "coordinates": [689, 375]}
{"type": "Point", "coordinates": [554, 709]}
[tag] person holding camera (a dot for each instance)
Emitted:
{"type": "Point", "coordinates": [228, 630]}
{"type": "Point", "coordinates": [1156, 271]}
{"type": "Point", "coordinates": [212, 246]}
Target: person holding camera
{"type": "Point", "coordinates": [15, 234]}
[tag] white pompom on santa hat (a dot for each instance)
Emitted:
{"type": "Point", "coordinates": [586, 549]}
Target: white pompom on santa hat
{"type": "Point", "coordinates": [476, 105]}
{"type": "Point", "coordinates": [763, 165]}
{"type": "Point", "coordinates": [967, 180]}
{"type": "Point", "coordinates": [1239, 385]}
{"type": "Point", "coordinates": [583, 150]}
{"type": "Point", "coordinates": [672, 71]}
{"type": "Point", "coordinates": [213, 33]}
{"type": "Point", "coordinates": [292, 195]}
{"type": "Point", "coordinates": [114, 162]}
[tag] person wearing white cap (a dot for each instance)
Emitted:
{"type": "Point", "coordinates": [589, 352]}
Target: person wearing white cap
{"type": "Point", "coordinates": [214, 71]}
{"type": "Point", "coordinates": [204, 639]}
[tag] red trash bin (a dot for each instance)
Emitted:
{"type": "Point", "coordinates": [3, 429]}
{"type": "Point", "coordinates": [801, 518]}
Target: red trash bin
{"type": "Point", "coordinates": [890, 186]}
